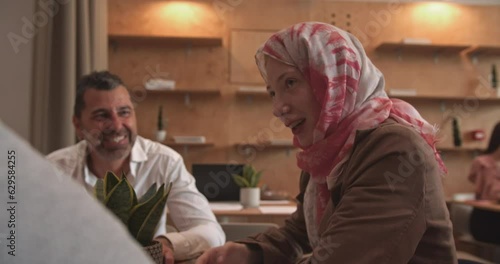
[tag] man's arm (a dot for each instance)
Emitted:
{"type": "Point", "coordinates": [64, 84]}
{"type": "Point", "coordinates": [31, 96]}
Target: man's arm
{"type": "Point", "coordinates": [191, 215]}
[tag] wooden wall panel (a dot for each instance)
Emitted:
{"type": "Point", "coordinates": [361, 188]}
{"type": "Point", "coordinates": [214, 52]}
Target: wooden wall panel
{"type": "Point", "coordinates": [191, 67]}
{"type": "Point", "coordinates": [229, 118]}
{"type": "Point", "coordinates": [253, 119]}
{"type": "Point", "coordinates": [243, 45]}
{"type": "Point", "coordinates": [270, 15]}
{"type": "Point", "coordinates": [162, 18]}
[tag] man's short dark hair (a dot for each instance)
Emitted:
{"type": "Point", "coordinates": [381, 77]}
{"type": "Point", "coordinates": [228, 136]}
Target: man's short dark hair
{"type": "Point", "coordinates": [99, 80]}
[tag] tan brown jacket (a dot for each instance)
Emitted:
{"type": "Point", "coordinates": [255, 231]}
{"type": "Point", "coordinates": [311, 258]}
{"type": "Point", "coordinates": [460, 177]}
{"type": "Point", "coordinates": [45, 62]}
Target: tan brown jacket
{"type": "Point", "coordinates": [387, 207]}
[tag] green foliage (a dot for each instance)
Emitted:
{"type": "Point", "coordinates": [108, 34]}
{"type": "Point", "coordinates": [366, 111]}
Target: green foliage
{"type": "Point", "coordinates": [249, 178]}
{"type": "Point", "coordinates": [142, 215]}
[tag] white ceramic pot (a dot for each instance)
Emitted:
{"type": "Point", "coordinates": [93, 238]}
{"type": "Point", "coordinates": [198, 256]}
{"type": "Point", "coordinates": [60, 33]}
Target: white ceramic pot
{"type": "Point", "coordinates": [250, 197]}
{"type": "Point", "coordinates": [161, 135]}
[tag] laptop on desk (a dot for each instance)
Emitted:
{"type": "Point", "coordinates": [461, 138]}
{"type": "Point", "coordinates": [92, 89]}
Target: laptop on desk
{"type": "Point", "coordinates": [215, 182]}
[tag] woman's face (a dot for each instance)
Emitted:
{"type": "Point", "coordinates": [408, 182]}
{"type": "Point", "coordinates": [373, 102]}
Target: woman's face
{"type": "Point", "coordinates": [293, 100]}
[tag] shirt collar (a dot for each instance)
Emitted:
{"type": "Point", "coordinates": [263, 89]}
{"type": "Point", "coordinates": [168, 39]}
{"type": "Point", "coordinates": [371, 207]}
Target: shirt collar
{"type": "Point", "coordinates": [137, 155]}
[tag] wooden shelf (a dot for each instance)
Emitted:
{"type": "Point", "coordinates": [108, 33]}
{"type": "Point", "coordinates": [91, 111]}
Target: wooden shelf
{"type": "Point", "coordinates": [457, 149]}
{"type": "Point", "coordinates": [252, 90]}
{"type": "Point", "coordinates": [187, 91]}
{"type": "Point", "coordinates": [438, 48]}
{"type": "Point", "coordinates": [166, 40]}
{"type": "Point", "coordinates": [253, 93]}
{"type": "Point", "coordinates": [484, 50]}
{"type": "Point", "coordinates": [444, 98]}
{"type": "Point", "coordinates": [186, 146]}
{"type": "Point", "coordinates": [174, 144]}
{"type": "Point", "coordinates": [420, 48]}
{"type": "Point", "coordinates": [274, 145]}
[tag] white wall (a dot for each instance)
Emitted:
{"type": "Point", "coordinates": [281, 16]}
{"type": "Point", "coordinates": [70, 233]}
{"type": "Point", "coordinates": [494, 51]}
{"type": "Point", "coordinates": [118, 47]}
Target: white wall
{"type": "Point", "coordinates": [16, 67]}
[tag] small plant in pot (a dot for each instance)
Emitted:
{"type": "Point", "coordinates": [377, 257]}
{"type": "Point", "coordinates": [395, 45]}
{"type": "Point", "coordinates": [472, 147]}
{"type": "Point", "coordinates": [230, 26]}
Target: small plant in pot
{"type": "Point", "coordinates": [248, 181]}
{"type": "Point", "coordinates": [140, 215]}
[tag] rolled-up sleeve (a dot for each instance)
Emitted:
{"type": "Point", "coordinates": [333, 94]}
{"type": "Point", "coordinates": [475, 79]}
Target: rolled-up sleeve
{"type": "Point", "coordinates": [191, 215]}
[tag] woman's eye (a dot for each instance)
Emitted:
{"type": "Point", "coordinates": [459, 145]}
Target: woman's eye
{"type": "Point", "coordinates": [290, 82]}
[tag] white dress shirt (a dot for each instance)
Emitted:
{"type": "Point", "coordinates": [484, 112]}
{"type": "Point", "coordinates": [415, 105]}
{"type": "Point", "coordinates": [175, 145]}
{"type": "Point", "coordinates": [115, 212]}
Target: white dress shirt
{"type": "Point", "coordinates": [152, 162]}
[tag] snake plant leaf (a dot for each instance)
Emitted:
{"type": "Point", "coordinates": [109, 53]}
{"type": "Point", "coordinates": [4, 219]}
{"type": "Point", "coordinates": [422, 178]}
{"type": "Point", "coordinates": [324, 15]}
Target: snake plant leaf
{"type": "Point", "coordinates": [240, 181]}
{"type": "Point", "coordinates": [255, 179]}
{"type": "Point", "coordinates": [246, 171]}
{"type": "Point", "coordinates": [149, 193]}
{"type": "Point", "coordinates": [110, 181]}
{"type": "Point", "coordinates": [250, 173]}
{"type": "Point", "coordinates": [134, 198]}
{"type": "Point", "coordinates": [99, 190]}
{"type": "Point", "coordinates": [147, 229]}
{"type": "Point", "coordinates": [120, 200]}
{"type": "Point", "coordinates": [140, 212]}
{"type": "Point", "coordinates": [144, 218]}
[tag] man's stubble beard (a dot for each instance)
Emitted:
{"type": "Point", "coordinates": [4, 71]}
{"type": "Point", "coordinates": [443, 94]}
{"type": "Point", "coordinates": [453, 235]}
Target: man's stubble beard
{"type": "Point", "coordinates": [95, 144]}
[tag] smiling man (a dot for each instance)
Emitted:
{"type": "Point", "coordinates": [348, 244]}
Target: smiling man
{"type": "Point", "coordinates": [105, 121]}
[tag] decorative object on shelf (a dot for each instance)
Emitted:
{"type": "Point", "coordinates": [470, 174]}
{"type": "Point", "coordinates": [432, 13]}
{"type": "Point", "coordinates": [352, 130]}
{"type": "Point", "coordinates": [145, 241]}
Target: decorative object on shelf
{"type": "Point", "coordinates": [267, 194]}
{"type": "Point", "coordinates": [477, 135]}
{"type": "Point", "coordinates": [281, 142]}
{"type": "Point", "coordinates": [140, 215]}
{"type": "Point", "coordinates": [416, 41]}
{"type": "Point", "coordinates": [248, 181]}
{"type": "Point", "coordinates": [253, 89]}
{"type": "Point", "coordinates": [457, 138]}
{"type": "Point", "coordinates": [158, 84]}
{"type": "Point", "coordinates": [402, 92]}
{"type": "Point", "coordinates": [189, 139]}
{"type": "Point", "coordinates": [161, 132]}
{"type": "Point", "coordinates": [494, 77]}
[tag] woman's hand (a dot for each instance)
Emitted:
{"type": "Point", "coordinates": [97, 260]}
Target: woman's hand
{"type": "Point", "coordinates": [230, 253]}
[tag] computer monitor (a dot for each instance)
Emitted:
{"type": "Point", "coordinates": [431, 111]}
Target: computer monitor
{"type": "Point", "coordinates": [215, 181]}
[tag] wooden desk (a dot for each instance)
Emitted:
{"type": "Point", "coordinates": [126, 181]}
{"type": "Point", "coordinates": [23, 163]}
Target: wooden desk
{"type": "Point", "coordinates": [482, 204]}
{"type": "Point", "coordinates": [268, 212]}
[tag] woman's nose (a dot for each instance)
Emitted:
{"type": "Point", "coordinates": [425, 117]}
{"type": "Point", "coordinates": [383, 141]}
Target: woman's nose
{"type": "Point", "coordinates": [280, 108]}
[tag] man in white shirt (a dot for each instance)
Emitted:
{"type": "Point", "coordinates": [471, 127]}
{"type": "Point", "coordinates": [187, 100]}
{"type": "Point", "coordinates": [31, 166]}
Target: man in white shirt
{"type": "Point", "coordinates": [104, 118]}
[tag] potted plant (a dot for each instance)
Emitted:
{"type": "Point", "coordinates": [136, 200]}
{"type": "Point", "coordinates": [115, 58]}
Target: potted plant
{"type": "Point", "coordinates": [140, 215]}
{"type": "Point", "coordinates": [248, 181]}
{"type": "Point", "coordinates": [161, 132]}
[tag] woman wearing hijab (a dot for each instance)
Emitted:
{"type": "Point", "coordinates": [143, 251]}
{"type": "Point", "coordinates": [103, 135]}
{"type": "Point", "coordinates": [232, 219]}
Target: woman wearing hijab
{"type": "Point", "coordinates": [370, 188]}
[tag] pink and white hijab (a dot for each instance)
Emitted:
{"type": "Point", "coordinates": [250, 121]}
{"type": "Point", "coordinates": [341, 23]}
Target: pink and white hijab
{"type": "Point", "coordinates": [350, 90]}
